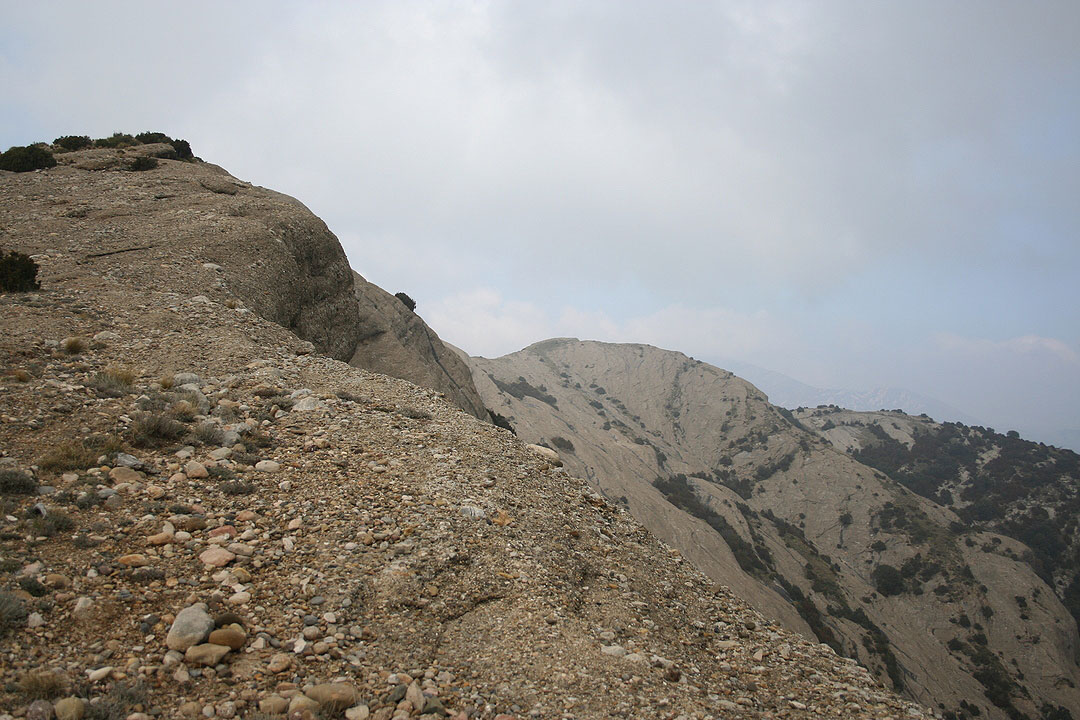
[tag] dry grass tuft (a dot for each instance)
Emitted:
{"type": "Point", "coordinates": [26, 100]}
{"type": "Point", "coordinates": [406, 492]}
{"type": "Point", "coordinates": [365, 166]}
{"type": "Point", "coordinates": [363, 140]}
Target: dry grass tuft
{"type": "Point", "coordinates": [154, 428]}
{"type": "Point", "coordinates": [113, 382]}
{"type": "Point", "coordinates": [69, 455]}
{"type": "Point", "coordinates": [166, 382]}
{"type": "Point", "coordinates": [74, 345]}
{"type": "Point", "coordinates": [42, 685]}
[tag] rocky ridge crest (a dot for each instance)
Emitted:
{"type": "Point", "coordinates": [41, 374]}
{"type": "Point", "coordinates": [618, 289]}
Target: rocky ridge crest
{"type": "Point", "coordinates": [202, 517]}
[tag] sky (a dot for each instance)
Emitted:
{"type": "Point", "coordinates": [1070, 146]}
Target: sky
{"type": "Point", "coordinates": [855, 194]}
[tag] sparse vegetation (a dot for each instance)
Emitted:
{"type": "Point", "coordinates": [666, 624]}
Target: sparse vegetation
{"type": "Point", "coordinates": [25, 159]}
{"type": "Point", "coordinates": [113, 382]}
{"type": "Point", "coordinates": [42, 686]}
{"type": "Point", "coordinates": [18, 272]}
{"type": "Point", "coordinates": [154, 428]}
{"type": "Point", "coordinates": [54, 521]}
{"type": "Point", "coordinates": [12, 612]}
{"type": "Point", "coordinates": [73, 142]}
{"type": "Point", "coordinates": [521, 389]}
{"type": "Point", "coordinates": [16, 482]}
{"type": "Point", "coordinates": [887, 580]}
{"type": "Point", "coordinates": [499, 421]}
{"type": "Point", "coordinates": [209, 434]}
{"type": "Point", "coordinates": [68, 455]}
{"type": "Point", "coordinates": [406, 301]}
{"type": "Point", "coordinates": [236, 487]}
{"type": "Point", "coordinates": [74, 345]}
{"type": "Point", "coordinates": [562, 443]}
{"type": "Point", "coordinates": [143, 162]}
{"type": "Point", "coordinates": [116, 140]}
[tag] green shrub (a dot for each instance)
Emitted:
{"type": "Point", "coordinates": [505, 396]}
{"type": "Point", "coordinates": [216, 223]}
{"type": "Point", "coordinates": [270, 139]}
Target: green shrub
{"type": "Point", "coordinates": [55, 521]}
{"type": "Point", "coordinates": [887, 580]}
{"type": "Point", "coordinates": [14, 482]}
{"type": "Point", "coordinates": [209, 434]}
{"type": "Point", "coordinates": [69, 456]}
{"type": "Point", "coordinates": [152, 428]}
{"type": "Point", "coordinates": [116, 140]}
{"type": "Point", "coordinates": [25, 159]}
{"type": "Point", "coordinates": [12, 612]}
{"type": "Point", "coordinates": [236, 487]}
{"type": "Point", "coordinates": [73, 142]}
{"type": "Point", "coordinates": [143, 162]}
{"type": "Point", "coordinates": [146, 138]}
{"type": "Point", "coordinates": [18, 272]}
{"type": "Point", "coordinates": [183, 149]}
{"type": "Point", "coordinates": [406, 301]}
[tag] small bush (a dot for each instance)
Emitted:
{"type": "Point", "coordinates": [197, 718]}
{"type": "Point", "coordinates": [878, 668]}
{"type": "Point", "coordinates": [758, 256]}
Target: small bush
{"type": "Point", "coordinates": [562, 443]}
{"type": "Point", "coordinates": [32, 586]}
{"type": "Point", "coordinates": [25, 159]}
{"type": "Point", "coordinates": [12, 612]}
{"type": "Point", "coordinates": [236, 487]}
{"type": "Point", "coordinates": [104, 444]}
{"type": "Point", "coordinates": [74, 345]}
{"type": "Point", "coordinates": [166, 382]}
{"type": "Point", "coordinates": [406, 301]}
{"type": "Point", "coordinates": [15, 482]}
{"type": "Point", "coordinates": [116, 704]}
{"type": "Point", "coordinates": [143, 162]}
{"type": "Point", "coordinates": [182, 410]}
{"type": "Point", "coordinates": [153, 428]}
{"type": "Point", "coordinates": [116, 140]}
{"type": "Point", "coordinates": [220, 472]}
{"type": "Point", "coordinates": [55, 521]}
{"type": "Point", "coordinates": [148, 138]}
{"type": "Point", "coordinates": [73, 142]}
{"type": "Point", "coordinates": [18, 272]}
{"type": "Point", "coordinates": [69, 455]}
{"type": "Point", "coordinates": [209, 434]}
{"type": "Point", "coordinates": [888, 580]}
{"type": "Point", "coordinates": [113, 382]}
{"type": "Point", "coordinates": [244, 458]}
{"type": "Point", "coordinates": [183, 149]}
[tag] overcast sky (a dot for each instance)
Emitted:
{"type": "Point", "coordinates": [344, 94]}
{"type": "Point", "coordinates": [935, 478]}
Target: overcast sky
{"type": "Point", "coordinates": [856, 194]}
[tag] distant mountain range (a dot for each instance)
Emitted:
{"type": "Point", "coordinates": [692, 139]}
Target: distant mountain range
{"type": "Point", "coordinates": [790, 393]}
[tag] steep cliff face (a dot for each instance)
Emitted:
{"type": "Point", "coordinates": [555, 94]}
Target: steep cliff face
{"type": "Point", "coordinates": [827, 545]}
{"type": "Point", "coordinates": [190, 227]}
{"type": "Point", "coordinates": [395, 341]}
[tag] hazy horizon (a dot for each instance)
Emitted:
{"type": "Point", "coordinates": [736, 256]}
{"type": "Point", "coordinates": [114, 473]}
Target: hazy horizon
{"type": "Point", "coordinates": [854, 195]}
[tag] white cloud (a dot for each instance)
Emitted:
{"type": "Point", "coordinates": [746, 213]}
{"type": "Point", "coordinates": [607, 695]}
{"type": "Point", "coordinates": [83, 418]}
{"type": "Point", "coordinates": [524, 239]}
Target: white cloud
{"type": "Point", "coordinates": [482, 322]}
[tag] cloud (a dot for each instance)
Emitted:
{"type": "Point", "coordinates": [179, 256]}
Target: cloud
{"type": "Point", "coordinates": [778, 180]}
{"type": "Point", "coordinates": [482, 322]}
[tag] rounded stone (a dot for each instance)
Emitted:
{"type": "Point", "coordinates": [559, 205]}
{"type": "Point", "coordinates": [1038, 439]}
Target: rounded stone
{"type": "Point", "coordinates": [191, 626]}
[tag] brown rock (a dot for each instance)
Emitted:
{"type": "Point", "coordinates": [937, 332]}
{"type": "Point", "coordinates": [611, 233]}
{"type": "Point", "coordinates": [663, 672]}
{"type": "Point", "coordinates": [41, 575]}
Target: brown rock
{"type": "Point", "coordinates": [206, 654]}
{"type": "Point", "coordinates": [124, 475]}
{"type": "Point", "coordinates": [232, 637]}
{"type": "Point", "coordinates": [341, 695]}
{"type": "Point", "coordinates": [216, 557]}
{"type": "Point", "coordinates": [196, 469]}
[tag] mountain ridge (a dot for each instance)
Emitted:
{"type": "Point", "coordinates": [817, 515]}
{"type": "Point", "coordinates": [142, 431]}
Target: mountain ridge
{"type": "Point", "coordinates": [762, 502]}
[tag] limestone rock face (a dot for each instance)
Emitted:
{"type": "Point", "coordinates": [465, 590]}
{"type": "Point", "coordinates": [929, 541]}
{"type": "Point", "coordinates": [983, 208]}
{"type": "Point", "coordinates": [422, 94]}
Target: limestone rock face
{"type": "Point", "coordinates": [193, 229]}
{"type": "Point", "coordinates": [395, 341]}
{"type": "Point", "coordinates": [801, 529]}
